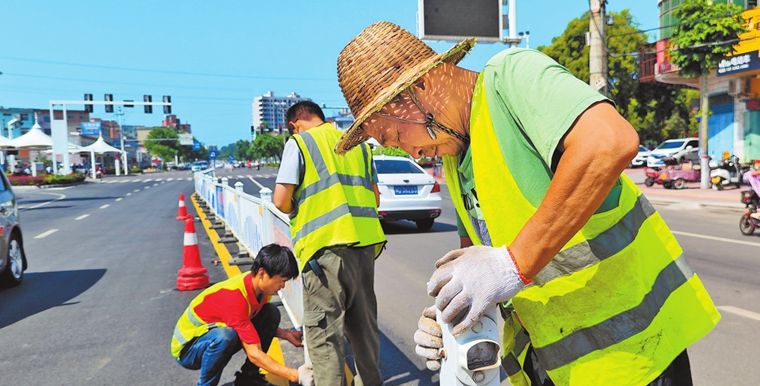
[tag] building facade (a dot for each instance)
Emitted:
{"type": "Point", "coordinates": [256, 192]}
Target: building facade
{"type": "Point", "coordinates": [172, 121]}
{"type": "Point", "coordinates": [734, 89]}
{"type": "Point", "coordinates": [342, 120]}
{"type": "Point", "coordinates": [269, 112]}
{"type": "Point", "coordinates": [25, 121]}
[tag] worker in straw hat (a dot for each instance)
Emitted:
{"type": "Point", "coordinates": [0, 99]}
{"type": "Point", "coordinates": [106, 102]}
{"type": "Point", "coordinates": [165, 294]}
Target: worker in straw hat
{"type": "Point", "coordinates": [594, 287]}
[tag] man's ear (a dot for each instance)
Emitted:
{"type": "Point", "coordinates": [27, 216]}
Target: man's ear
{"type": "Point", "coordinates": [260, 271]}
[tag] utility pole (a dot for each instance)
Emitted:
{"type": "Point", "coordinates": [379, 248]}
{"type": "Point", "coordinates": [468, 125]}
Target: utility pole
{"type": "Point", "coordinates": [597, 62]}
{"type": "Point", "coordinates": [120, 113]}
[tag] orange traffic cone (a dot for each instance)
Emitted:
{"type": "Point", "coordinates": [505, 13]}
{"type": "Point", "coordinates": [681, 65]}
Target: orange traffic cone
{"type": "Point", "coordinates": [182, 210]}
{"type": "Point", "coordinates": [192, 275]}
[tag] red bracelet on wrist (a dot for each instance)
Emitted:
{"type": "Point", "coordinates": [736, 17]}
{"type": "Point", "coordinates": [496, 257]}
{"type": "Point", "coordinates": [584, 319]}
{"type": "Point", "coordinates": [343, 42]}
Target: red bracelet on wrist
{"type": "Point", "coordinates": [522, 277]}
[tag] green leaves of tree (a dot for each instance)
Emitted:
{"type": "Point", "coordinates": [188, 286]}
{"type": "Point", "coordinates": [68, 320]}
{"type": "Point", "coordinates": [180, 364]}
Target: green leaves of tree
{"type": "Point", "coordinates": [648, 106]}
{"type": "Point", "coordinates": [162, 142]}
{"type": "Point", "coordinates": [704, 35]}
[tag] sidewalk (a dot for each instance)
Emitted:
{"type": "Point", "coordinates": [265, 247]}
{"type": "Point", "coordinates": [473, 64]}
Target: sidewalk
{"type": "Point", "coordinates": [692, 195]}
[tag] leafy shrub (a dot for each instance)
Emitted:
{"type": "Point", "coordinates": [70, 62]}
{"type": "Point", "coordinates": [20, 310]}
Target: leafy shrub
{"type": "Point", "coordinates": [54, 179]}
{"type": "Point", "coordinates": [26, 180]}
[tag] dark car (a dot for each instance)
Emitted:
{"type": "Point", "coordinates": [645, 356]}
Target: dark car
{"type": "Point", "coordinates": [12, 257]}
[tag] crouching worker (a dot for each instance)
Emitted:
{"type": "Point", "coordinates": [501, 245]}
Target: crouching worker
{"type": "Point", "coordinates": [234, 314]}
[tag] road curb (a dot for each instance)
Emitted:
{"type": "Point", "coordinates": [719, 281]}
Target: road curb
{"type": "Point", "coordinates": [699, 204]}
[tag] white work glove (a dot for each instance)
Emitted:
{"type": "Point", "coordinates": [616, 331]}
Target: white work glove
{"type": "Point", "coordinates": [477, 278]}
{"type": "Point", "coordinates": [429, 339]}
{"type": "Point", "coordinates": [306, 374]}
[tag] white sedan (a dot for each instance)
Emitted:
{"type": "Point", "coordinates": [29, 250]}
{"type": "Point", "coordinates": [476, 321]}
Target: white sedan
{"type": "Point", "coordinates": [641, 157]}
{"type": "Point", "coordinates": [407, 192]}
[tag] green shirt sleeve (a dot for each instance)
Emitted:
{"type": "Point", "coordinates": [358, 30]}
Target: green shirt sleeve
{"type": "Point", "coordinates": [542, 96]}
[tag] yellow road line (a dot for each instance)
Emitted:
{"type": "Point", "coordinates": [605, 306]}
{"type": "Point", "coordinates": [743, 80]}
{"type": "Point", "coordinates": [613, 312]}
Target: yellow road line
{"type": "Point", "coordinates": [275, 351]}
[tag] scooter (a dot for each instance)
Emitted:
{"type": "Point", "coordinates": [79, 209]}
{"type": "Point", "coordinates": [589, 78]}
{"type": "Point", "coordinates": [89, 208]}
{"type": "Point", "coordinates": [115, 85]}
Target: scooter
{"type": "Point", "coordinates": [728, 172]}
{"type": "Point", "coordinates": [747, 223]}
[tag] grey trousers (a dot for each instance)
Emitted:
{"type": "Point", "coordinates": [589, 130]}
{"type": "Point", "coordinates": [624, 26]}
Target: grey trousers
{"type": "Point", "coordinates": [345, 308]}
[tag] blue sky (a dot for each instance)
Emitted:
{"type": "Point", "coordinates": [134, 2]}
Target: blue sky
{"type": "Point", "coordinates": [213, 57]}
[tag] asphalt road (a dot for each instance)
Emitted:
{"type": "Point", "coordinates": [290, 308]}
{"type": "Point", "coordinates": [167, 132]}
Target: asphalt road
{"type": "Point", "coordinates": [98, 303]}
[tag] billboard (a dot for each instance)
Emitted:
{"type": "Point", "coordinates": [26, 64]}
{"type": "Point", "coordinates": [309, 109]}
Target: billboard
{"type": "Point", "coordinates": [456, 19]}
{"type": "Point", "coordinates": [185, 139]}
{"type": "Point", "coordinates": [90, 129]}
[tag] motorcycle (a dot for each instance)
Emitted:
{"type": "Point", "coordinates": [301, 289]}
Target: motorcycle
{"type": "Point", "coordinates": [727, 172]}
{"type": "Point", "coordinates": [747, 223]}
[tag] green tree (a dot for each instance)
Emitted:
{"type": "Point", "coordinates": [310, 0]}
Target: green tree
{"type": "Point", "coordinates": [704, 35]}
{"type": "Point", "coordinates": [162, 142]}
{"type": "Point", "coordinates": [394, 151]}
{"type": "Point", "coordinates": [646, 105]}
{"type": "Point", "coordinates": [242, 150]}
{"type": "Point", "coordinates": [267, 146]}
{"type": "Point", "coordinates": [187, 154]}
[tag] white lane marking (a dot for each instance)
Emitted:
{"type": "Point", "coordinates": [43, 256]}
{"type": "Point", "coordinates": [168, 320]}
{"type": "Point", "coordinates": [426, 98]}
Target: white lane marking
{"type": "Point", "coordinates": [706, 237]}
{"type": "Point", "coordinates": [60, 197]}
{"type": "Point", "coordinates": [189, 178]}
{"type": "Point", "coordinates": [129, 193]}
{"type": "Point", "coordinates": [105, 206]}
{"type": "Point", "coordinates": [124, 181]}
{"type": "Point", "coordinates": [82, 217]}
{"type": "Point", "coordinates": [46, 233]}
{"type": "Point", "coordinates": [741, 312]}
{"type": "Point", "coordinates": [240, 176]}
{"type": "Point", "coordinates": [256, 182]}
{"type": "Point", "coordinates": [156, 184]}
{"type": "Point", "coordinates": [170, 179]}
{"type": "Point", "coordinates": [136, 190]}
{"type": "Point", "coordinates": [159, 179]}
{"type": "Point", "coordinates": [147, 187]}
{"type": "Point", "coordinates": [148, 180]}
{"type": "Point", "coordinates": [118, 199]}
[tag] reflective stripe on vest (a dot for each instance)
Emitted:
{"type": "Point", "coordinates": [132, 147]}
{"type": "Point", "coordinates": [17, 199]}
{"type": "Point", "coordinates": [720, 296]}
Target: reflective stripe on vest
{"type": "Point", "coordinates": [189, 325]}
{"type": "Point", "coordinates": [617, 288]}
{"type": "Point", "coordinates": [336, 199]}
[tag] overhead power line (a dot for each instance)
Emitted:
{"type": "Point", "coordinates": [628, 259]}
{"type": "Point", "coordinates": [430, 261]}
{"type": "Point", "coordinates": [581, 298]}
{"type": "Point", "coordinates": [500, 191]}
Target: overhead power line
{"type": "Point", "coordinates": [162, 71]}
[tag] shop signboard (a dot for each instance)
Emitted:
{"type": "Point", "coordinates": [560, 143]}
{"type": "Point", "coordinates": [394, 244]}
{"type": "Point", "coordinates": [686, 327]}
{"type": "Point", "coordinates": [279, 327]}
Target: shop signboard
{"type": "Point", "coordinates": [740, 63]}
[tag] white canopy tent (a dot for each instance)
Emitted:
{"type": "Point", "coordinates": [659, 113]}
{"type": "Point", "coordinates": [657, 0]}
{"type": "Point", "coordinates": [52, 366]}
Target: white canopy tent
{"type": "Point", "coordinates": [100, 146]}
{"type": "Point", "coordinates": [34, 139]}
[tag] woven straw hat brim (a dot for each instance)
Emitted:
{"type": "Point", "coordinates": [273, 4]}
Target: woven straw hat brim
{"type": "Point", "coordinates": [354, 135]}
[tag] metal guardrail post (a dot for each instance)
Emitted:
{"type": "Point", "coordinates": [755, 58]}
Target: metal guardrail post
{"type": "Point", "coordinates": [473, 358]}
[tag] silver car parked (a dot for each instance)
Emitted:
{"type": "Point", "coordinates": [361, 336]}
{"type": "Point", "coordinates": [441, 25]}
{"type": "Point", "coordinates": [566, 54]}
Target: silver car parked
{"type": "Point", "coordinates": [12, 257]}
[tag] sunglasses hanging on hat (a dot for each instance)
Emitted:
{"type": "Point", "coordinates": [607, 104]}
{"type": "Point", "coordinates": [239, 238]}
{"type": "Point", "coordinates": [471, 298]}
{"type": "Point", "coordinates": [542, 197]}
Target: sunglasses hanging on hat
{"type": "Point", "coordinates": [431, 124]}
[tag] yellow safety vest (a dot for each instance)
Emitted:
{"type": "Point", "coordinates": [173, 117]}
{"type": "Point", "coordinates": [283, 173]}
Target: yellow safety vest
{"type": "Point", "coordinates": [618, 303]}
{"type": "Point", "coordinates": [190, 325]}
{"type": "Point", "coordinates": [336, 200]}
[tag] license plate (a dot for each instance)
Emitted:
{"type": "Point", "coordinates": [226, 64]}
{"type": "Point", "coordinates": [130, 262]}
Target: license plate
{"type": "Point", "coordinates": [405, 190]}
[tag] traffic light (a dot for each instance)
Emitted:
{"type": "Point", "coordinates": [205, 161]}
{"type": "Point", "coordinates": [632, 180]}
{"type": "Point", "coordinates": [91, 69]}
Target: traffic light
{"type": "Point", "coordinates": [148, 108]}
{"type": "Point", "coordinates": [167, 108]}
{"type": "Point", "coordinates": [88, 106]}
{"type": "Point", "coordinates": [109, 98]}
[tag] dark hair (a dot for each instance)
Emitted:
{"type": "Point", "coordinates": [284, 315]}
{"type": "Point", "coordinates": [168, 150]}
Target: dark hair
{"type": "Point", "coordinates": [276, 260]}
{"type": "Point", "coordinates": [304, 110]}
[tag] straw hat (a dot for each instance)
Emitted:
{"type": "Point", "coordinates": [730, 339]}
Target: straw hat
{"type": "Point", "coordinates": [378, 64]}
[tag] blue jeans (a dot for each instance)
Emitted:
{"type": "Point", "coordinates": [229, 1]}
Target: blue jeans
{"type": "Point", "coordinates": [211, 351]}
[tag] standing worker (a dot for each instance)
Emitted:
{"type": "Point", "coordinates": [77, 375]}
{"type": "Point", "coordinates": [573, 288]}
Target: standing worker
{"type": "Point", "coordinates": [234, 314]}
{"type": "Point", "coordinates": [332, 201]}
{"type": "Point", "coordinates": [599, 288]}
